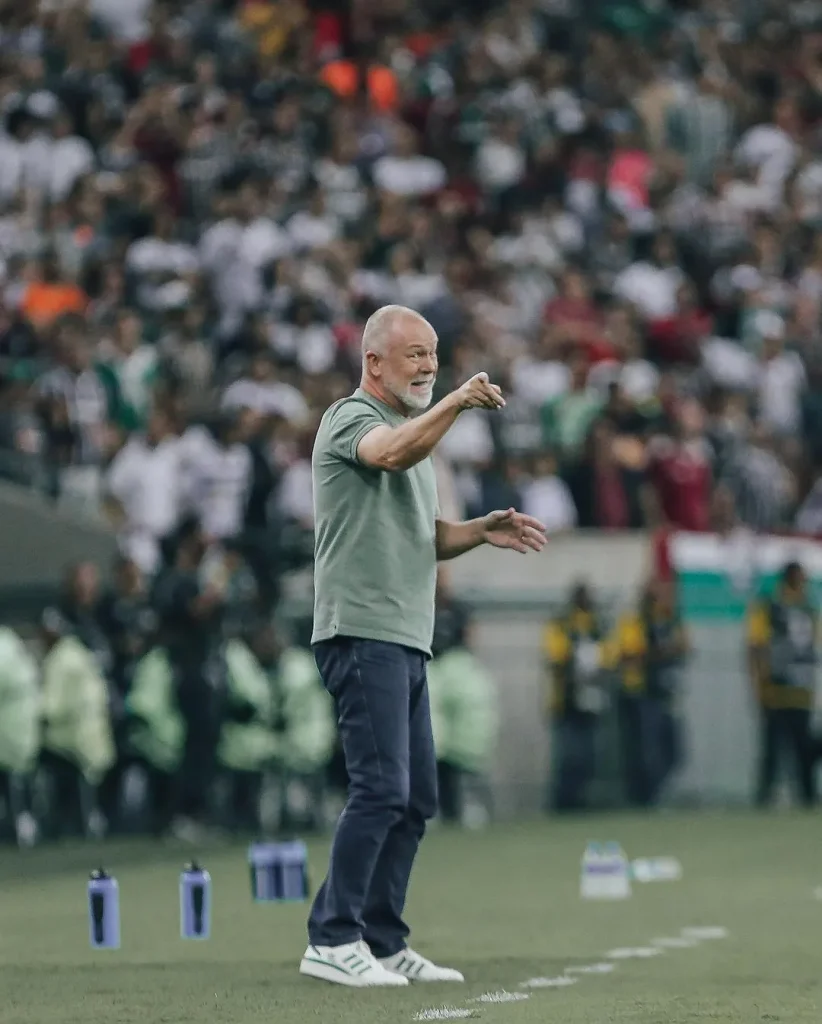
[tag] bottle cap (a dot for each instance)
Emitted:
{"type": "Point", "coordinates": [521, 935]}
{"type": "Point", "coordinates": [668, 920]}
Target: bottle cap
{"type": "Point", "coordinates": [98, 875]}
{"type": "Point", "coordinates": [192, 868]}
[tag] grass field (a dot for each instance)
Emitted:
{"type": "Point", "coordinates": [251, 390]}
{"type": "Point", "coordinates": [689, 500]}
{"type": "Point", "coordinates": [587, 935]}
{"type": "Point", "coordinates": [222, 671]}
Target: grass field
{"type": "Point", "coordinates": [503, 906]}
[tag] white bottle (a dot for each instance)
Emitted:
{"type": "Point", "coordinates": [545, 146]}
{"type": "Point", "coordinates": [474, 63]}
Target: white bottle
{"type": "Point", "coordinates": [605, 873]}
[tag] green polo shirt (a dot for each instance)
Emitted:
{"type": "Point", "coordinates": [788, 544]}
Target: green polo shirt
{"type": "Point", "coordinates": [375, 561]}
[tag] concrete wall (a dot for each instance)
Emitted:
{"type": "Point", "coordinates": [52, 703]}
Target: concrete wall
{"type": "Point", "coordinates": [37, 542]}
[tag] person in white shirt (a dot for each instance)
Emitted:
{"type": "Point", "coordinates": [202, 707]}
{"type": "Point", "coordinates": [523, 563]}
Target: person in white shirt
{"type": "Point", "coordinates": [72, 158]}
{"type": "Point", "coordinates": [405, 172]}
{"type": "Point", "coordinates": [651, 285]}
{"type": "Point", "coordinates": [126, 20]}
{"type": "Point", "coordinates": [771, 150]}
{"type": "Point", "coordinates": [781, 381]}
{"type": "Point", "coordinates": [543, 377]}
{"type": "Point", "coordinates": [142, 490]}
{"type": "Point", "coordinates": [500, 162]}
{"type": "Point", "coordinates": [638, 379]}
{"type": "Point", "coordinates": [264, 394]}
{"type": "Point", "coordinates": [159, 258]}
{"type": "Point", "coordinates": [313, 227]}
{"type": "Point", "coordinates": [216, 474]}
{"type": "Point", "coordinates": [547, 496]}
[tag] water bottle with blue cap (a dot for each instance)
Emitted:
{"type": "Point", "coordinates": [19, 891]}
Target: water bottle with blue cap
{"type": "Point", "coordinates": [195, 903]}
{"type": "Point", "coordinates": [605, 872]}
{"type": "Point", "coordinates": [103, 911]}
{"type": "Point", "coordinates": [279, 872]}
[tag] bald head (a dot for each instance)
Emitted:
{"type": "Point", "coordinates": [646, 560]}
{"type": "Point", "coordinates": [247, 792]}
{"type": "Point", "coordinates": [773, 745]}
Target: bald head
{"type": "Point", "coordinates": [399, 357]}
{"type": "Point", "coordinates": [391, 323]}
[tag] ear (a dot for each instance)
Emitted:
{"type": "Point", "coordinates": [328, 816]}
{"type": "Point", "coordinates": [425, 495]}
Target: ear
{"type": "Point", "coordinates": [373, 364]}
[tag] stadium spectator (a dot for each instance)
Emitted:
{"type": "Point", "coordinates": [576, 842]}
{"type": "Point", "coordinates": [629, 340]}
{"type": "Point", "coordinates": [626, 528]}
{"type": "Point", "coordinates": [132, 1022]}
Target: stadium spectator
{"type": "Point", "coordinates": [463, 713]}
{"type": "Point", "coordinates": [650, 647]}
{"type": "Point", "coordinates": [613, 210]}
{"type": "Point", "coordinates": [190, 609]}
{"type": "Point", "coordinates": [573, 646]}
{"type": "Point", "coordinates": [19, 735]}
{"type": "Point", "coordinates": [782, 633]}
{"type": "Point", "coordinates": [77, 741]}
{"type": "Point", "coordinates": [143, 489]}
{"type": "Point", "coordinates": [129, 623]}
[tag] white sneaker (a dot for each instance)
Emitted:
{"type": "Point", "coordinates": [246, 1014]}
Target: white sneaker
{"type": "Point", "coordinates": [352, 964]}
{"type": "Point", "coordinates": [411, 965]}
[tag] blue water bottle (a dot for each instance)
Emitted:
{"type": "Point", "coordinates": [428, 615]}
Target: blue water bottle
{"type": "Point", "coordinates": [103, 911]}
{"type": "Point", "coordinates": [195, 903]}
{"type": "Point", "coordinates": [279, 872]}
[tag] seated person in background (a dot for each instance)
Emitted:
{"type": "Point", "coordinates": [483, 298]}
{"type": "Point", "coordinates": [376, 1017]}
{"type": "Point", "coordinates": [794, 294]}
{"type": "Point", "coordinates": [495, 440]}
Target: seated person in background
{"type": "Point", "coordinates": [190, 597]}
{"type": "Point", "coordinates": [463, 713]}
{"type": "Point", "coordinates": [573, 647]}
{"type": "Point", "coordinates": [19, 734]}
{"type": "Point", "coordinates": [79, 606]}
{"type": "Point", "coordinates": [128, 621]}
{"type": "Point", "coordinates": [77, 744]}
{"type": "Point", "coordinates": [156, 733]}
{"type": "Point", "coordinates": [303, 725]}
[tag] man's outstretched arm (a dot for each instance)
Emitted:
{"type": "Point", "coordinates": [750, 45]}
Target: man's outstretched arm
{"type": "Point", "coordinates": [396, 449]}
{"type": "Point", "coordinates": [504, 529]}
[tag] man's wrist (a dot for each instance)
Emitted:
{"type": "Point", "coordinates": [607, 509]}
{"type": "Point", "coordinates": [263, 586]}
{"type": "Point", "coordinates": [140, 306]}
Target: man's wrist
{"type": "Point", "coordinates": [452, 402]}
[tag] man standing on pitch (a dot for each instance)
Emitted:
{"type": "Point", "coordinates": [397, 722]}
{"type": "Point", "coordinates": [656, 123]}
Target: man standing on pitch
{"type": "Point", "coordinates": [378, 540]}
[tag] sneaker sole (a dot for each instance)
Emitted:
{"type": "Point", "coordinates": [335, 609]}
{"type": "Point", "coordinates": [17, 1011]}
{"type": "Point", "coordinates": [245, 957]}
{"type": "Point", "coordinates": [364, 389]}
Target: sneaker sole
{"type": "Point", "coordinates": [429, 980]}
{"type": "Point", "coordinates": [336, 976]}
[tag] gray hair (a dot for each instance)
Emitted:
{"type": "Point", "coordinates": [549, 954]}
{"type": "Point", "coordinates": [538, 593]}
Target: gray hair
{"type": "Point", "coordinates": [382, 323]}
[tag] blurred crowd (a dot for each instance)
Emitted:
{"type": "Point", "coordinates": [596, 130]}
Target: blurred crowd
{"type": "Point", "coordinates": [610, 207]}
{"type": "Point", "coordinates": [179, 706]}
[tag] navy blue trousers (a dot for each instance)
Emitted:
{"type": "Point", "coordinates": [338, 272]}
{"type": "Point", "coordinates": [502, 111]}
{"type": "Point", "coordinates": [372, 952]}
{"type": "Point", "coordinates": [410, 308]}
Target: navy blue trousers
{"type": "Point", "coordinates": [380, 692]}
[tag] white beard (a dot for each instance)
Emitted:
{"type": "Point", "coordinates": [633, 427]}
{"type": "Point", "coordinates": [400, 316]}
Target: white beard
{"type": "Point", "coordinates": [417, 400]}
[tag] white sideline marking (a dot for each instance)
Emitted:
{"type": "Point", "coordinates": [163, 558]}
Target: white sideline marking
{"type": "Point", "coordinates": [603, 968]}
{"type": "Point", "coordinates": [687, 939]}
{"type": "Point", "coordinates": [634, 953]}
{"type": "Point", "coordinates": [562, 981]}
{"type": "Point", "coordinates": [675, 943]}
{"type": "Point", "coordinates": [444, 1013]}
{"type": "Point", "coordinates": [705, 934]}
{"type": "Point", "coordinates": [817, 893]}
{"type": "Point", "coordinates": [502, 997]}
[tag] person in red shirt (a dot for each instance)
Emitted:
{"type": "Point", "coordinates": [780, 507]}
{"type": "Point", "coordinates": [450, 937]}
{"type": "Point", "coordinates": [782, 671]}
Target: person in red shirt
{"type": "Point", "coordinates": [677, 339]}
{"type": "Point", "coordinates": [681, 472]}
{"type": "Point", "coordinates": [575, 317]}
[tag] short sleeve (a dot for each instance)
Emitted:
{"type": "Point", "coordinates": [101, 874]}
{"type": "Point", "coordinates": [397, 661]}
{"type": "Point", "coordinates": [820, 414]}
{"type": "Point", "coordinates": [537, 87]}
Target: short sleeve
{"type": "Point", "coordinates": [759, 627]}
{"type": "Point", "coordinates": [119, 475]}
{"type": "Point", "coordinates": [555, 645]}
{"type": "Point", "coordinates": [348, 425]}
{"type": "Point", "coordinates": [632, 637]}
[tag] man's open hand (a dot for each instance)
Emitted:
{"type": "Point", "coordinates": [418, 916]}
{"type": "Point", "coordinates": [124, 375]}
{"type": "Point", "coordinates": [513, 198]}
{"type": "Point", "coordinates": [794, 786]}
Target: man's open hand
{"type": "Point", "coordinates": [514, 530]}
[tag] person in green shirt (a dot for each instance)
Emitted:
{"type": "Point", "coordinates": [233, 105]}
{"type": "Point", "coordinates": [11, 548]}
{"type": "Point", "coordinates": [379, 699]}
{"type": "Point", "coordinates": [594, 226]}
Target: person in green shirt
{"type": "Point", "coordinates": [129, 371]}
{"type": "Point", "coordinates": [566, 420]}
{"type": "Point", "coordinates": [378, 538]}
